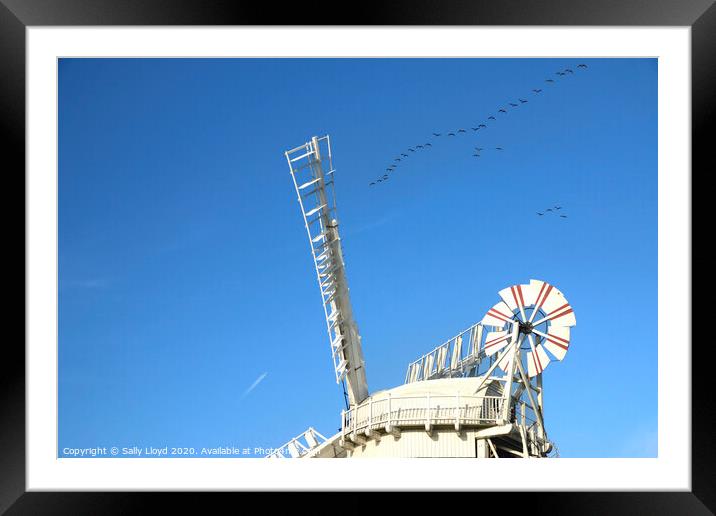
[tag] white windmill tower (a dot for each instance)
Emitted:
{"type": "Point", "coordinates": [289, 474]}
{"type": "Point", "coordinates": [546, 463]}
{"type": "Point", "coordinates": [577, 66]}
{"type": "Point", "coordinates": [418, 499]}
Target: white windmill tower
{"type": "Point", "coordinates": [479, 394]}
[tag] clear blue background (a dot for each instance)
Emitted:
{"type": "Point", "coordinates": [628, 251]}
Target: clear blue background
{"type": "Point", "coordinates": [185, 274]}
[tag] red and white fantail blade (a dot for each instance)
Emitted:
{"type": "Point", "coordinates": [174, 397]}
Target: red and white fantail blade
{"type": "Point", "coordinates": [541, 290]}
{"type": "Point", "coordinates": [556, 340]}
{"type": "Point", "coordinates": [537, 361]}
{"type": "Point", "coordinates": [498, 315]}
{"type": "Point", "coordinates": [553, 303]}
{"type": "Point", "coordinates": [514, 297]}
{"type": "Point", "coordinates": [529, 293]}
{"type": "Point", "coordinates": [562, 315]}
{"type": "Point", "coordinates": [495, 341]}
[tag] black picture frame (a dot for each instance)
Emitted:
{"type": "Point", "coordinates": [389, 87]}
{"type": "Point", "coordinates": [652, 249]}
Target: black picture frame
{"type": "Point", "coordinates": [17, 15]}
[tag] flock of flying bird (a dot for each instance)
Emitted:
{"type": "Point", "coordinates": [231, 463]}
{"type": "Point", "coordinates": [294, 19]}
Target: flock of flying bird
{"type": "Point", "coordinates": [477, 151]}
{"type": "Point", "coordinates": [553, 209]}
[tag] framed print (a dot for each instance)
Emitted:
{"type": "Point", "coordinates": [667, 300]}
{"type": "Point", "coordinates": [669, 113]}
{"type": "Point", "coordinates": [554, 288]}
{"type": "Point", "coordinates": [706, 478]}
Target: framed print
{"type": "Point", "coordinates": [497, 208]}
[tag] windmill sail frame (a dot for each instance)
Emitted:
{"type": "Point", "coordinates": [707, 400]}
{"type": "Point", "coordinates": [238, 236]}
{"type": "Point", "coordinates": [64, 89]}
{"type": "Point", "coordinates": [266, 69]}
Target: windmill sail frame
{"type": "Point", "coordinates": [316, 196]}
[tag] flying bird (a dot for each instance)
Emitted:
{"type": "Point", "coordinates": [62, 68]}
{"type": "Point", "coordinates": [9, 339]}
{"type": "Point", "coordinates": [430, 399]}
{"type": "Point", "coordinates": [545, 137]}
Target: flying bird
{"type": "Point", "coordinates": [372, 184]}
{"type": "Point", "coordinates": [451, 134]}
{"type": "Point", "coordinates": [548, 209]}
{"type": "Point", "coordinates": [379, 181]}
{"type": "Point", "coordinates": [549, 80]}
{"type": "Point", "coordinates": [513, 105]}
{"type": "Point", "coordinates": [523, 101]}
{"type": "Point", "coordinates": [418, 146]}
{"type": "Point", "coordinates": [478, 149]}
{"type": "Point", "coordinates": [474, 128]}
{"type": "Point", "coordinates": [411, 150]}
{"type": "Point", "coordinates": [405, 155]}
{"type": "Point", "coordinates": [563, 216]}
{"type": "Point", "coordinates": [437, 134]}
{"type": "Point", "coordinates": [428, 144]}
{"type": "Point", "coordinates": [568, 70]}
{"type": "Point", "coordinates": [581, 65]}
{"type": "Point", "coordinates": [461, 130]}
{"type": "Point", "coordinates": [396, 159]}
{"type": "Point", "coordinates": [536, 91]}
{"type": "Point", "coordinates": [561, 73]}
{"type": "Point", "coordinates": [540, 214]}
{"type": "Point", "coordinates": [498, 148]}
{"type": "Point", "coordinates": [491, 118]}
{"type": "Point", "coordinates": [503, 111]}
{"type": "Point", "coordinates": [557, 207]}
{"type": "Point", "coordinates": [476, 155]}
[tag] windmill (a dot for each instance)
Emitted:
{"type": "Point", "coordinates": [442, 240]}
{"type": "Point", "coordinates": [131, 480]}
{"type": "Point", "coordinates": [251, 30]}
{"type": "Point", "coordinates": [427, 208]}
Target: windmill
{"type": "Point", "coordinates": [479, 394]}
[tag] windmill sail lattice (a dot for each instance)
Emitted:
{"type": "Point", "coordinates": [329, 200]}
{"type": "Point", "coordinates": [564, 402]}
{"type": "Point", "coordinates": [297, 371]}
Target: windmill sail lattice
{"type": "Point", "coordinates": [316, 196]}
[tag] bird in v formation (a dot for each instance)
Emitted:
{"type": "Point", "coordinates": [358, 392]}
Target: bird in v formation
{"type": "Point", "coordinates": [552, 209]}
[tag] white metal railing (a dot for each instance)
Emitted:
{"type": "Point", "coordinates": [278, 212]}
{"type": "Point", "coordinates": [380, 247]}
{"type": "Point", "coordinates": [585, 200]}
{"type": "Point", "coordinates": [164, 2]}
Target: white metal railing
{"type": "Point", "coordinates": [455, 357]}
{"type": "Point", "coordinates": [399, 411]}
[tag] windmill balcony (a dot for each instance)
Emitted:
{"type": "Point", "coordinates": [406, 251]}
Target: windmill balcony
{"type": "Point", "coordinates": [414, 405]}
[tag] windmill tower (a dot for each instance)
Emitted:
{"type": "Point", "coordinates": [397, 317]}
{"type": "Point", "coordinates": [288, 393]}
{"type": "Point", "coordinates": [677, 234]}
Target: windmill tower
{"type": "Point", "coordinates": [479, 394]}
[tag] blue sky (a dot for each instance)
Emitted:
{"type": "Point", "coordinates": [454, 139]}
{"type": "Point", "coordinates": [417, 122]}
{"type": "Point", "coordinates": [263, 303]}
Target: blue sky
{"type": "Point", "coordinates": [189, 314]}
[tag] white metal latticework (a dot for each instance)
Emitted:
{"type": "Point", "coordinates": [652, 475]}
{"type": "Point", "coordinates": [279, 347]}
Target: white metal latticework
{"type": "Point", "coordinates": [459, 356]}
{"type": "Point", "coordinates": [299, 446]}
{"type": "Point", "coordinates": [316, 196]}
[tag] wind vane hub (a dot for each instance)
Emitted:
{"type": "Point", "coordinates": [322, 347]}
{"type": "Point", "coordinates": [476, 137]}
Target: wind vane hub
{"type": "Point", "coordinates": [526, 328]}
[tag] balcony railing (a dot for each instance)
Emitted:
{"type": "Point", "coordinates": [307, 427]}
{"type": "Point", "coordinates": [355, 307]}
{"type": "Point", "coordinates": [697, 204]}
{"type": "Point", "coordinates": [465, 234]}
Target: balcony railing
{"type": "Point", "coordinates": [396, 411]}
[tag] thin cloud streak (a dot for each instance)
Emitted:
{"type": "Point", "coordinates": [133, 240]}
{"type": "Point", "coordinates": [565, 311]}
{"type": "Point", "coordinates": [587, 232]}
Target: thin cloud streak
{"type": "Point", "coordinates": [253, 385]}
